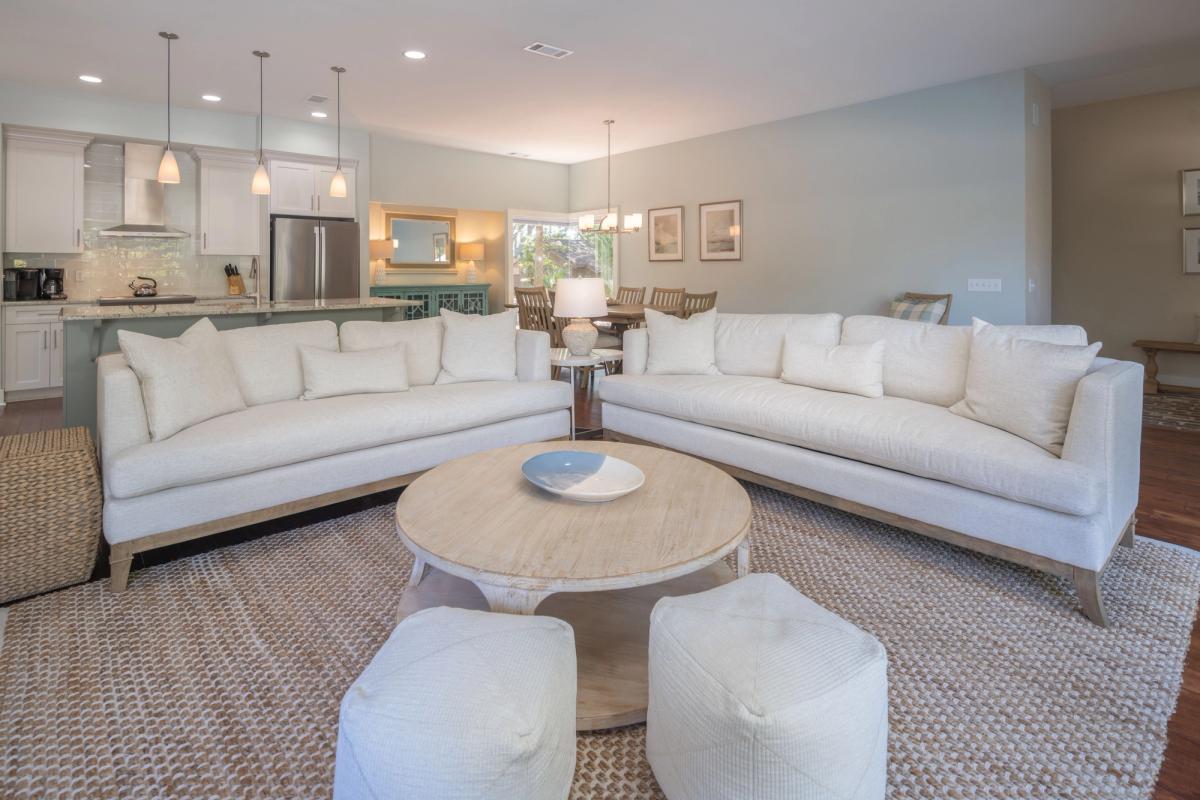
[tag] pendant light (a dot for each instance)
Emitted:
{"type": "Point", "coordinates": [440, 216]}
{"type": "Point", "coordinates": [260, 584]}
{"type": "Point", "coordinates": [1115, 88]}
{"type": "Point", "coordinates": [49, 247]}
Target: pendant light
{"type": "Point", "coordinates": [337, 186]}
{"type": "Point", "coordinates": [608, 223]}
{"type": "Point", "coordinates": [168, 168]}
{"type": "Point", "coordinates": [262, 182]}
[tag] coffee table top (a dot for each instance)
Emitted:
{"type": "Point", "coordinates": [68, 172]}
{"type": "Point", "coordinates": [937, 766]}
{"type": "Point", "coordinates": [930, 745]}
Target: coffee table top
{"type": "Point", "coordinates": [477, 517]}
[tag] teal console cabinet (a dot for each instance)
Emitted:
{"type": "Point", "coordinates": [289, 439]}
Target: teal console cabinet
{"type": "Point", "coordinates": [465, 298]}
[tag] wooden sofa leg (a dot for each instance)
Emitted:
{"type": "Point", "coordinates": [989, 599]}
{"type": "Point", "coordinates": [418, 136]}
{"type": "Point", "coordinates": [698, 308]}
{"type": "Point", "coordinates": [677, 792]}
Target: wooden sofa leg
{"type": "Point", "coordinates": [1087, 586]}
{"type": "Point", "coordinates": [119, 560]}
{"type": "Point", "coordinates": [1127, 536]}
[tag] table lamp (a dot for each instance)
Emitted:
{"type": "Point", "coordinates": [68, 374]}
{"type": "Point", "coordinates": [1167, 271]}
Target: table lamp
{"type": "Point", "coordinates": [579, 299]}
{"type": "Point", "coordinates": [470, 253]}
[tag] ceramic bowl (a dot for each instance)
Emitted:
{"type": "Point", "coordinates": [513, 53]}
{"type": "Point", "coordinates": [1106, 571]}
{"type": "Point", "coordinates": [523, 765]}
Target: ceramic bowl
{"type": "Point", "coordinates": [582, 475]}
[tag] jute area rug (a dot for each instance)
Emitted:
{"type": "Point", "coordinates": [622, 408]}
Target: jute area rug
{"type": "Point", "coordinates": [1179, 412]}
{"type": "Point", "coordinates": [220, 675]}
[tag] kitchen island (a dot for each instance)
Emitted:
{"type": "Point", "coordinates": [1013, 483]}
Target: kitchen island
{"type": "Point", "coordinates": [90, 331]}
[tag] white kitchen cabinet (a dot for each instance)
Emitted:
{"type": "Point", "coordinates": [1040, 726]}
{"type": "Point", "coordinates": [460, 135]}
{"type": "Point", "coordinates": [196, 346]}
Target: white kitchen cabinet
{"type": "Point", "coordinates": [302, 188]}
{"type": "Point", "coordinates": [27, 356]}
{"type": "Point", "coordinates": [56, 355]}
{"type": "Point", "coordinates": [43, 197]}
{"type": "Point", "coordinates": [230, 214]}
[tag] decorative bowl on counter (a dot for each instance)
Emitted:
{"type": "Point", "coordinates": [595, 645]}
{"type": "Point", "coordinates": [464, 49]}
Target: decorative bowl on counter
{"type": "Point", "coordinates": [582, 475]}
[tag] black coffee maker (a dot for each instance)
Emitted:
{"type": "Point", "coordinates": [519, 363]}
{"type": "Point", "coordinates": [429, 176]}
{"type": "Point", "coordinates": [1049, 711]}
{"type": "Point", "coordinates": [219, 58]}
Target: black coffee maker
{"type": "Point", "coordinates": [22, 284]}
{"type": "Point", "coordinates": [52, 284]}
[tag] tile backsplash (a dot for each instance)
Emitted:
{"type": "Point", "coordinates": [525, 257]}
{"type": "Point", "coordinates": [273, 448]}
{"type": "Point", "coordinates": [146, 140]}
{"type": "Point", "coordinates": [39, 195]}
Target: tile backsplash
{"type": "Point", "coordinates": [106, 266]}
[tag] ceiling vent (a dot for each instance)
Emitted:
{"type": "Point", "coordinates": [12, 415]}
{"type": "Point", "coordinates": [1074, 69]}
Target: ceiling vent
{"type": "Point", "coordinates": [316, 98]}
{"type": "Point", "coordinates": [548, 50]}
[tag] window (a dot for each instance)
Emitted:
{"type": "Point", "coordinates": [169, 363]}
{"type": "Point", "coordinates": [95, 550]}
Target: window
{"type": "Point", "coordinates": [547, 247]}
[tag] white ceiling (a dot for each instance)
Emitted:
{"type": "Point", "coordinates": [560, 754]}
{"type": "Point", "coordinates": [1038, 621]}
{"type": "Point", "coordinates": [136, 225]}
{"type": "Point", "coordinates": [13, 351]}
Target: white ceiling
{"type": "Point", "coordinates": [665, 70]}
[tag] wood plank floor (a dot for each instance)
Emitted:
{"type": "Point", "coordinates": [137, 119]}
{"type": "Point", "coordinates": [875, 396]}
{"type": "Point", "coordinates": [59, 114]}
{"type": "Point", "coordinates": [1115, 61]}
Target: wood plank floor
{"type": "Point", "coordinates": [1169, 510]}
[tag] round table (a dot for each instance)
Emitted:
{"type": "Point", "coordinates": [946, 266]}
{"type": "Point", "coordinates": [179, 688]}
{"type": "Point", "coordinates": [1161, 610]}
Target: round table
{"type": "Point", "coordinates": [483, 537]}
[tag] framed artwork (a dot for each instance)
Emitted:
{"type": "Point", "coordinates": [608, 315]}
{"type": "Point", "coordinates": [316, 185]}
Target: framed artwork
{"type": "Point", "coordinates": [1191, 251]}
{"type": "Point", "coordinates": [1190, 180]}
{"type": "Point", "coordinates": [666, 233]}
{"type": "Point", "coordinates": [721, 231]}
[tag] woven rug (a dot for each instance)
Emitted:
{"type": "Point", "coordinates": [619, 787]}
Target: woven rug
{"type": "Point", "coordinates": [1174, 411]}
{"type": "Point", "coordinates": [220, 675]}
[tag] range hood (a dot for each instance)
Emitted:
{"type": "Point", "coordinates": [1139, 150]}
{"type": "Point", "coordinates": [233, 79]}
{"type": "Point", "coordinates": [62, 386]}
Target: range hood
{"type": "Point", "coordinates": [145, 216]}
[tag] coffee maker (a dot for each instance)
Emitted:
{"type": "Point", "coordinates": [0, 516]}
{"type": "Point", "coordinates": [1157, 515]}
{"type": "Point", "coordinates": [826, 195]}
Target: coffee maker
{"type": "Point", "coordinates": [52, 285]}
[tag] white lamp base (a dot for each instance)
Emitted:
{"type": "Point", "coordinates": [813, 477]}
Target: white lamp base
{"type": "Point", "coordinates": [580, 337]}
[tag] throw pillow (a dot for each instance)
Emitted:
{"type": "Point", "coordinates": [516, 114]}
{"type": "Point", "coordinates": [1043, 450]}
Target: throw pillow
{"type": "Point", "coordinates": [478, 348]}
{"type": "Point", "coordinates": [184, 380]}
{"type": "Point", "coordinates": [678, 346]}
{"type": "Point", "coordinates": [850, 368]}
{"type": "Point", "coordinates": [1023, 386]}
{"type": "Point", "coordinates": [329, 374]}
{"type": "Point", "coordinates": [422, 339]}
{"type": "Point", "coordinates": [919, 310]}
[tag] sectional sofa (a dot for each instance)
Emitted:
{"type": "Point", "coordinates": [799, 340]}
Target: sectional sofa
{"type": "Point", "coordinates": [903, 458]}
{"type": "Point", "coordinates": [281, 455]}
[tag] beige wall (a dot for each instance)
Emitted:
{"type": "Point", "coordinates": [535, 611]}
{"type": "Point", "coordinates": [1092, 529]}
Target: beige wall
{"type": "Point", "coordinates": [1118, 225]}
{"type": "Point", "coordinates": [1038, 191]}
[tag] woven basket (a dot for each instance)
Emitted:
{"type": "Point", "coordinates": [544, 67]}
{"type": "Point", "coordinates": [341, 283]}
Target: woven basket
{"type": "Point", "coordinates": [49, 511]}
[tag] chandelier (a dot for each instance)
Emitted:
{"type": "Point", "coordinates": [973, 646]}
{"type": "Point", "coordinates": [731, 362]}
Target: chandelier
{"type": "Point", "coordinates": [608, 223]}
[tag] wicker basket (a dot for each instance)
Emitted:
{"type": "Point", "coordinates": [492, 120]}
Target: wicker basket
{"type": "Point", "coordinates": [49, 511]}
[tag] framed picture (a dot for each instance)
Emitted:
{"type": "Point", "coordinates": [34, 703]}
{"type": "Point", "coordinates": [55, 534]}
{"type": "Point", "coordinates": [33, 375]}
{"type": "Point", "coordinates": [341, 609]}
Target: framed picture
{"type": "Point", "coordinates": [666, 233]}
{"type": "Point", "coordinates": [721, 231]}
{"type": "Point", "coordinates": [1191, 251]}
{"type": "Point", "coordinates": [1190, 180]}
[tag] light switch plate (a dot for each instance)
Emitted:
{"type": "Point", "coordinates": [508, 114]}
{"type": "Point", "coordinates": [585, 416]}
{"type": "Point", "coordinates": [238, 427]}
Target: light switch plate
{"type": "Point", "coordinates": [983, 285]}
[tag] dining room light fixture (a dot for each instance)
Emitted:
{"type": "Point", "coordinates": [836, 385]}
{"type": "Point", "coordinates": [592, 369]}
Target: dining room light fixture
{"type": "Point", "coordinates": [168, 168]}
{"type": "Point", "coordinates": [261, 184]}
{"type": "Point", "coordinates": [337, 185]}
{"type": "Point", "coordinates": [608, 223]}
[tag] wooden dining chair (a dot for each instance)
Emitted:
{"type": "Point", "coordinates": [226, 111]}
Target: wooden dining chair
{"type": "Point", "coordinates": [535, 312]}
{"type": "Point", "coordinates": [919, 297]}
{"type": "Point", "coordinates": [695, 303]}
{"type": "Point", "coordinates": [630, 295]}
{"type": "Point", "coordinates": [670, 298]}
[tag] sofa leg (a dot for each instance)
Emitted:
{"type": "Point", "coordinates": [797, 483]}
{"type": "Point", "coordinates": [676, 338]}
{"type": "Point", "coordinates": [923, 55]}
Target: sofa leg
{"type": "Point", "coordinates": [1127, 536]}
{"type": "Point", "coordinates": [119, 560]}
{"type": "Point", "coordinates": [1087, 586]}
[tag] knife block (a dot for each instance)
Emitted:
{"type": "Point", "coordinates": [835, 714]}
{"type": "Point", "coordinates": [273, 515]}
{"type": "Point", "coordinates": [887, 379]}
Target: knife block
{"type": "Point", "coordinates": [236, 287]}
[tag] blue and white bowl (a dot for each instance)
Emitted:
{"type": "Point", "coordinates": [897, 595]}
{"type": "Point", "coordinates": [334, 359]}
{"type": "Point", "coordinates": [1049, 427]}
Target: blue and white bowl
{"type": "Point", "coordinates": [582, 475]}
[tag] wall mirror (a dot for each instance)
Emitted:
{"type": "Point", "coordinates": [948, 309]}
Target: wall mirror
{"type": "Point", "coordinates": [420, 242]}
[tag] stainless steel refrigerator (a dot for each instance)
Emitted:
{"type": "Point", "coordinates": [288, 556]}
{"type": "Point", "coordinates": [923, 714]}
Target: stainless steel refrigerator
{"type": "Point", "coordinates": [314, 259]}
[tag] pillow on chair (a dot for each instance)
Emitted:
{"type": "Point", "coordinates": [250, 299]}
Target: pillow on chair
{"type": "Point", "coordinates": [678, 346]}
{"type": "Point", "coordinates": [919, 310]}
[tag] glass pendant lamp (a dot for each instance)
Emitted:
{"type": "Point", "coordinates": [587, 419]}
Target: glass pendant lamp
{"type": "Point", "coordinates": [337, 186]}
{"type": "Point", "coordinates": [168, 168]}
{"type": "Point", "coordinates": [261, 184]}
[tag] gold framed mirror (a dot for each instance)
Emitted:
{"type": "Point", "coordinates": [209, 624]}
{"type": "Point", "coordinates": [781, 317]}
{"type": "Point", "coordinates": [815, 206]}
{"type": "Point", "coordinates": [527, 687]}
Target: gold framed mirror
{"type": "Point", "coordinates": [420, 242]}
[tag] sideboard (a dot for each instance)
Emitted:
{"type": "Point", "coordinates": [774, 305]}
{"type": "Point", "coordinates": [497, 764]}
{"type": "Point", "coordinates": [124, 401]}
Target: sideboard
{"type": "Point", "coordinates": [466, 298]}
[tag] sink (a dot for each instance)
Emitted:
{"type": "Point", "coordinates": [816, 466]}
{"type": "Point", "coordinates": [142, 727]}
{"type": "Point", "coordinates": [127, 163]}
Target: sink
{"type": "Point", "coordinates": [147, 301]}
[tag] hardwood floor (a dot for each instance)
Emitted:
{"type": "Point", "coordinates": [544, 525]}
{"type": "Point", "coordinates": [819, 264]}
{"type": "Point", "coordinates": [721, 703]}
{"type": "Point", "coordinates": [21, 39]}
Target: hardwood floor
{"type": "Point", "coordinates": [1169, 510]}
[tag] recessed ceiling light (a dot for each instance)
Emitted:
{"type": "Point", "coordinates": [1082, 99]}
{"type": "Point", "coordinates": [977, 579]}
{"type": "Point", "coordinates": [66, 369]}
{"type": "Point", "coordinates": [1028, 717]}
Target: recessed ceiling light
{"type": "Point", "coordinates": [319, 114]}
{"type": "Point", "coordinates": [90, 79]}
{"type": "Point", "coordinates": [212, 98]}
{"type": "Point", "coordinates": [415, 55]}
{"type": "Point", "coordinates": [519, 155]}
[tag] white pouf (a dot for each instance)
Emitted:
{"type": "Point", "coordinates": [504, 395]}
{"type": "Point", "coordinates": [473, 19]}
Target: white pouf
{"type": "Point", "coordinates": [462, 704]}
{"type": "Point", "coordinates": [757, 692]}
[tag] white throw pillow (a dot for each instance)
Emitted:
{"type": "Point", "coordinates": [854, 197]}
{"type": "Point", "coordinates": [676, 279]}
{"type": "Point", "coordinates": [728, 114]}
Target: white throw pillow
{"type": "Point", "coordinates": [1023, 386]}
{"type": "Point", "coordinates": [850, 368]}
{"type": "Point", "coordinates": [329, 374]}
{"type": "Point", "coordinates": [266, 358]}
{"type": "Point", "coordinates": [752, 344]}
{"type": "Point", "coordinates": [922, 362]}
{"type": "Point", "coordinates": [678, 346]}
{"type": "Point", "coordinates": [479, 348]}
{"type": "Point", "coordinates": [184, 380]}
{"type": "Point", "coordinates": [422, 340]}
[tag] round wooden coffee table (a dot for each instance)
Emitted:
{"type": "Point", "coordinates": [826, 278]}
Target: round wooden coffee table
{"type": "Point", "coordinates": [483, 537]}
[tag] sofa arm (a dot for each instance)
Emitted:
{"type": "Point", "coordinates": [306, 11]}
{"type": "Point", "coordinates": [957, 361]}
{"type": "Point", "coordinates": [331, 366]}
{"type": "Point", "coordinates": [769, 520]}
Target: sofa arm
{"type": "Point", "coordinates": [1105, 433]}
{"type": "Point", "coordinates": [533, 356]}
{"type": "Point", "coordinates": [120, 413]}
{"type": "Point", "coordinates": [635, 342]}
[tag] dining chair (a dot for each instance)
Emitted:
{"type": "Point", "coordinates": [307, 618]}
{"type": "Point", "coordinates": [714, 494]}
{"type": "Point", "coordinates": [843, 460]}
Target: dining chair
{"type": "Point", "coordinates": [919, 297]}
{"type": "Point", "coordinates": [670, 298]}
{"type": "Point", "coordinates": [630, 295]}
{"type": "Point", "coordinates": [535, 312]}
{"type": "Point", "coordinates": [695, 303]}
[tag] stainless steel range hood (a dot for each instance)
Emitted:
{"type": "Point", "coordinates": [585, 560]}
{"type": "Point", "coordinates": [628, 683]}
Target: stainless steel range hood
{"type": "Point", "coordinates": [145, 216]}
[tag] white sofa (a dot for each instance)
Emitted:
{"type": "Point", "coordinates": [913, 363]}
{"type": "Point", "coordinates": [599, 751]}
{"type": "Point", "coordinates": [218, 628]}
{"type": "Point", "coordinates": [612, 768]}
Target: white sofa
{"type": "Point", "coordinates": [903, 458]}
{"type": "Point", "coordinates": [282, 455]}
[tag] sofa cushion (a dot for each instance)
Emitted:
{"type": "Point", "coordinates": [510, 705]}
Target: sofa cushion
{"type": "Point", "coordinates": [917, 438]}
{"type": "Point", "coordinates": [267, 357]}
{"type": "Point", "coordinates": [329, 374]}
{"type": "Point", "coordinates": [679, 346]}
{"type": "Point", "coordinates": [921, 361]}
{"type": "Point", "coordinates": [291, 431]}
{"type": "Point", "coordinates": [422, 339]}
{"type": "Point", "coordinates": [478, 348]}
{"type": "Point", "coordinates": [1051, 334]}
{"type": "Point", "coordinates": [752, 344]}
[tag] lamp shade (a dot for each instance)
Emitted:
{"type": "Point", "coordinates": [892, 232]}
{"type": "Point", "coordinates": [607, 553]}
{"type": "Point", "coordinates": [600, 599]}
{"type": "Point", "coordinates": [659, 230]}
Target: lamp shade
{"type": "Point", "coordinates": [471, 251]}
{"type": "Point", "coordinates": [168, 168]}
{"type": "Point", "coordinates": [381, 249]}
{"type": "Point", "coordinates": [579, 297]}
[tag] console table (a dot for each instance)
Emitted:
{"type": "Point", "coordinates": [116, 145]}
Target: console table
{"type": "Point", "coordinates": [465, 298]}
{"type": "Point", "coordinates": [1152, 348]}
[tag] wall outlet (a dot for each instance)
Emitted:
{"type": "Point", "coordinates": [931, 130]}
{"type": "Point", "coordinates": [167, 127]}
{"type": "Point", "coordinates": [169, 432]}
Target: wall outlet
{"type": "Point", "coordinates": [983, 285]}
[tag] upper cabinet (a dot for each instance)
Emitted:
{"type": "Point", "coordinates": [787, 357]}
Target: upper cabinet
{"type": "Point", "coordinates": [302, 188]}
{"type": "Point", "coordinates": [230, 214]}
{"type": "Point", "coordinates": [43, 198]}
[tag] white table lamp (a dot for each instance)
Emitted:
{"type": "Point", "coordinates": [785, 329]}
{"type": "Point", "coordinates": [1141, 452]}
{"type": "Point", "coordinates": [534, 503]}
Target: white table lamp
{"type": "Point", "coordinates": [471, 252]}
{"type": "Point", "coordinates": [580, 299]}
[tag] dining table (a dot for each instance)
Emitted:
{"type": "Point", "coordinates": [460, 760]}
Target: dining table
{"type": "Point", "coordinates": [622, 316]}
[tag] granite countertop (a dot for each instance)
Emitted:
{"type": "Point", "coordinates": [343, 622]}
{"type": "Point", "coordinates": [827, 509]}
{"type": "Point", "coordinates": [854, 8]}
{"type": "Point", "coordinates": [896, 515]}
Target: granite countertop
{"type": "Point", "coordinates": [93, 301]}
{"type": "Point", "coordinates": [218, 308]}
